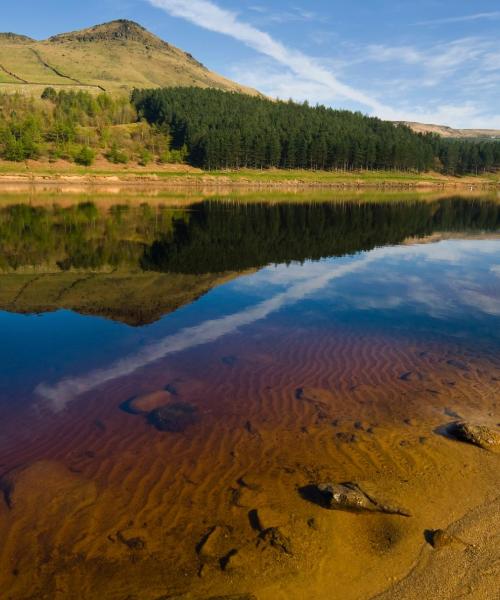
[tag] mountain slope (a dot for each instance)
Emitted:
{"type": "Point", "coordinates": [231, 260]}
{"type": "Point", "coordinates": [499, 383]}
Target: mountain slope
{"type": "Point", "coordinates": [119, 55]}
{"type": "Point", "coordinates": [449, 132]}
{"type": "Point", "coordinates": [133, 298]}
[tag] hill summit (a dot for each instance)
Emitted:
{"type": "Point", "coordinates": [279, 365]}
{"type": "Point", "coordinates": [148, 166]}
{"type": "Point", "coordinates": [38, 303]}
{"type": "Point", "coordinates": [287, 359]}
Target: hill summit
{"type": "Point", "coordinates": [120, 30]}
{"type": "Point", "coordinates": [114, 56]}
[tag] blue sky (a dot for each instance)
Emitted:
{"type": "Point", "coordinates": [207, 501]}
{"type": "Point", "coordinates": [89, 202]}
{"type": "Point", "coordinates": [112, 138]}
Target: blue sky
{"type": "Point", "coordinates": [433, 61]}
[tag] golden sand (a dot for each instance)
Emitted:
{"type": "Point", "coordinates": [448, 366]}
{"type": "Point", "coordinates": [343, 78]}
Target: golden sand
{"type": "Point", "coordinates": [100, 504]}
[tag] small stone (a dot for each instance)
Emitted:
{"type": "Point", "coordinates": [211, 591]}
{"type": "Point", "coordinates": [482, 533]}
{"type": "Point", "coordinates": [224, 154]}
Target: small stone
{"type": "Point", "coordinates": [276, 540]}
{"type": "Point", "coordinates": [439, 539]}
{"type": "Point", "coordinates": [209, 544]}
{"type": "Point", "coordinates": [228, 559]}
{"type": "Point", "coordinates": [212, 543]}
{"type": "Point", "coordinates": [134, 539]}
{"type": "Point", "coordinates": [411, 376]}
{"type": "Point", "coordinates": [174, 418]}
{"type": "Point", "coordinates": [145, 403]}
{"type": "Point", "coordinates": [478, 435]}
{"type": "Point", "coordinates": [347, 496]}
{"type": "Point", "coordinates": [268, 518]}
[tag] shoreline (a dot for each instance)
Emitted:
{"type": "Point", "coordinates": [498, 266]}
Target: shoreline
{"type": "Point", "coordinates": [183, 176]}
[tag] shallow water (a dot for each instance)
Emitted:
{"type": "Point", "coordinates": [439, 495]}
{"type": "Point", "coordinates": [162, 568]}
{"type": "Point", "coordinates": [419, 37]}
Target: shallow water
{"type": "Point", "coordinates": [294, 329]}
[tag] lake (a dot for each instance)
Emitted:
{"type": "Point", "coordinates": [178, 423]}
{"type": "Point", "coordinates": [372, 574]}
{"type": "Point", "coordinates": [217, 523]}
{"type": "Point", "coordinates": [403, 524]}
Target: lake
{"type": "Point", "coordinates": [179, 371]}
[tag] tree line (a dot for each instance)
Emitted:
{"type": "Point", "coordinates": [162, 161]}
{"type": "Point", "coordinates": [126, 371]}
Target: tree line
{"type": "Point", "coordinates": [223, 237]}
{"type": "Point", "coordinates": [217, 236]}
{"type": "Point", "coordinates": [223, 130]}
{"type": "Point", "coordinates": [214, 130]}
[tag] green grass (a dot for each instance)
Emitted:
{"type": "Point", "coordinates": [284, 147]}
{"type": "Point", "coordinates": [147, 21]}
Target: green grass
{"type": "Point", "coordinates": [272, 177]}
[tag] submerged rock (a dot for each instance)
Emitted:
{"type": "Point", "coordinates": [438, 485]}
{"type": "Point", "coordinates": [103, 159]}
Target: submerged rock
{"type": "Point", "coordinates": [174, 418]}
{"type": "Point", "coordinates": [134, 539]}
{"type": "Point", "coordinates": [275, 538]}
{"type": "Point", "coordinates": [438, 539]}
{"type": "Point", "coordinates": [267, 518]}
{"type": "Point", "coordinates": [347, 496]}
{"type": "Point", "coordinates": [145, 403]}
{"type": "Point", "coordinates": [478, 435]}
{"type": "Point", "coordinates": [209, 545]}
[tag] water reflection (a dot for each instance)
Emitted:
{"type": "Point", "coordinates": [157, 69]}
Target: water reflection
{"type": "Point", "coordinates": [445, 281]}
{"type": "Point", "coordinates": [136, 264]}
{"type": "Point", "coordinates": [386, 265]}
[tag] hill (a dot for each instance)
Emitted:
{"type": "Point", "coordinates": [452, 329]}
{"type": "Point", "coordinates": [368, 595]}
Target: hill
{"type": "Point", "coordinates": [119, 55]}
{"type": "Point", "coordinates": [129, 297]}
{"type": "Point", "coordinates": [449, 132]}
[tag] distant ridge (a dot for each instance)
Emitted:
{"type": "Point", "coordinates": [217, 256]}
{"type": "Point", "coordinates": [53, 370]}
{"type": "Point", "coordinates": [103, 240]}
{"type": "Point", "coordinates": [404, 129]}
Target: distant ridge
{"type": "Point", "coordinates": [449, 132]}
{"type": "Point", "coordinates": [15, 37]}
{"type": "Point", "coordinates": [115, 56]}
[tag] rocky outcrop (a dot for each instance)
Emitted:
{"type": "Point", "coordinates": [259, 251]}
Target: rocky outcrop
{"type": "Point", "coordinates": [115, 31]}
{"type": "Point", "coordinates": [478, 435]}
{"type": "Point", "coordinates": [347, 496]}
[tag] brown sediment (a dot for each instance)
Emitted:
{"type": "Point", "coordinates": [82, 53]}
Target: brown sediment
{"type": "Point", "coordinates": [105, 505]}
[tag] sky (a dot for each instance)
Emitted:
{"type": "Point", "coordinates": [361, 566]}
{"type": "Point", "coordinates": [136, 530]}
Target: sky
{"type": "Point", "coordinates": [431, 61]}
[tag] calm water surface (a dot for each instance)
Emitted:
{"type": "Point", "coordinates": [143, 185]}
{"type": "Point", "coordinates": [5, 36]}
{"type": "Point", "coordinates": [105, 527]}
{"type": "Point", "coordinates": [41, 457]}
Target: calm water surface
{"type": "Point", "coordinates": [84, 291]}
{"type": "Point", "coordinates": [291, 341]}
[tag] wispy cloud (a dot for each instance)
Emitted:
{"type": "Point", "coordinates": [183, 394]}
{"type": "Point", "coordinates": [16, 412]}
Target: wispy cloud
{"type": "Point", "coordinates": [60, 394]}
{"type": "Point", "coordinates": [466, 69]}
{"type": "Point", "coordinates": [209, 15]}
{"type": "Point", "coordinates": [416, 82]}
{"type": "Point", "coordinates": [294, 14]}
{"type": "Point", "coordinates": [483, 16]}
{"type": "Point", "coordinates": [437, 59]}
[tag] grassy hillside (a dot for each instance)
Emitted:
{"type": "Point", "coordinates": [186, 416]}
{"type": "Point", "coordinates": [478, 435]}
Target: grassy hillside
{"type": "Point", "coordinates": [120, 55]}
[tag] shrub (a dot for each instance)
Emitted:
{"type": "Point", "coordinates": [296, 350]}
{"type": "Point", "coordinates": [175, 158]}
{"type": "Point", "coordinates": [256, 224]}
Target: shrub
{"type": "Point", "coordinates": [85, 157]}
{"type": "Point", "coordinates": [117, 156]}
{"type": "Point", "coordinates": [145, 157]}
{"type": "Point", "coordinates": [49, 93]}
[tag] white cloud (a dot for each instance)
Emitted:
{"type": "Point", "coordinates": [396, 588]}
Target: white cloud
{"type": "Point", "coordinates": [278, 83]}
{"type": "Point", "coordinates": [294, 14]}
{"type": "Point", "coordinates": [67, 389]}
{"type": "Point", "coordinates": [465, 69]}
{"type": "Point", "coordinates": [481, 301]}
{"type": "Point", "coordinates": [208, 15]}
{"type": "Point", "coordinates": [483, 16]}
